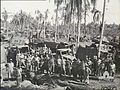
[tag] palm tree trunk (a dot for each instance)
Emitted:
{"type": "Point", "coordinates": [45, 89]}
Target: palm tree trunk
{"type": "Point", "coordinates": [85, 19]}
{"type": "Point", "coordinates": [73, 24]}
{"type": "Point", "coordinates": [44, 30]}
{"type": "Point", "coordinates": [99, 52]}
{"type": "Point", "coordinates": [69, 30]}
{"type": "Point", "coordinates": [79, 23]}
{"type": "Point", "coordinates": [5, 27]}
{"type": "Point", "coordinates": [78, 27]}
{"type": "Point", "coordinates": [56, 23]}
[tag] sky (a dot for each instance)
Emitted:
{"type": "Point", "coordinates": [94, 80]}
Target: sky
{"type": "Point", "coordinates": [112, 8]}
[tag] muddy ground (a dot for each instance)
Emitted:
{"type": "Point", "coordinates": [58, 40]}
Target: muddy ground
{"type": "Point", "coordinates": [55, 82]}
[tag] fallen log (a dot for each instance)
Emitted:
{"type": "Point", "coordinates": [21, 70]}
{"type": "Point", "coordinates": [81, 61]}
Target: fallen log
{"type": "Point", "coordinates": [93, 77]}
{"type": "Point", "coordinates": [74, 82]}
{"type": "Point", "coordinates": [73, 85]}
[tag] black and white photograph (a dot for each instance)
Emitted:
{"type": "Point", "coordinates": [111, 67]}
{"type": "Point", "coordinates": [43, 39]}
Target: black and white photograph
{"type": "Point", "coordinates": [60, 45]}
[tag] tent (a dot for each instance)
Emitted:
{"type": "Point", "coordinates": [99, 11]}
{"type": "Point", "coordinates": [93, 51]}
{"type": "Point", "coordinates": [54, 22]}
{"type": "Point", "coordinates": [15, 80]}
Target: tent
{"type": "Point", "coordinates": [83, 51]}
{"type": "Point", "coordinates": [51, 45]}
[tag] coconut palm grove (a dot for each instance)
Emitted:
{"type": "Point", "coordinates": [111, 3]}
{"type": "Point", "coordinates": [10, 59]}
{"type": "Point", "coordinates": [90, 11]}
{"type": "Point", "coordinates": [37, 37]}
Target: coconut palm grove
{"type": "Point", "coordinates": [72, 48]}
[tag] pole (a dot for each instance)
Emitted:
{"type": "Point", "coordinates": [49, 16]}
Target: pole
{"type": "Point", "coordinates": [99, 52]}
{"type": "Point", "coordinates": [85, 19]}
{"type": "Point", "coordinates": [44, 29]}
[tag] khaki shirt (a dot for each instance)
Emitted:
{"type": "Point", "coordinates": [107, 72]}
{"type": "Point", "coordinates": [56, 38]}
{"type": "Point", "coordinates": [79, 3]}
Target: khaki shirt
{"type": "Point", "coordinates": [59, 61]}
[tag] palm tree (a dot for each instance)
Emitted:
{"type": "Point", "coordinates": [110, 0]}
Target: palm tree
{"type": "Point", "coordinates": [93, 2]}
{"type": "Point", "coordinates": [39, 19]}
{"type": "Point", "coordinates": [77, 5]}
{"type": "Point", "coordinates": [57, 3]}
{"type": "Point", "coordinates": [86, 9]}
{"type": "Point", "coordinates": [67, 19]}
{"type": "Point", "coordinates": [20, 20]}
{"type": "Point", "coordinates": [96, 18]}
{"type": "Point", "coordinates": [45, 21]}
{"type": "Point", "coordinates": [5, 17]}
{"type": "Point", "coordinates": [39, 16]}
{"type": "Point", "coordinates": [102, 28]}
{"type": "Point", "coordinates": [72, 6]}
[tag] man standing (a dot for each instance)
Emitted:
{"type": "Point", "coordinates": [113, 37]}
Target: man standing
{"type": "Point", "coordinates": [32, 62]}
{"type": "Point", "coordinates": [36, 63]}
{"type": "Point", "coordinates": [95, 66]}
{"type": "Point", "coordinates": [18, 59]}
{"type": "Point", "coordinates": [82, 71]}
{"type": "Point", "coordinates": [52, 64]}
{"type": "Point", "coordinates": [74, 68]}
{"type": "Point", "coordinates": [29, 62]}
{"type": "Point", "coordinates": [68, 67]}
{"type": "Point", "coordinates": [63, 63]}
{"type": "Point", "coordinates": [49, 51]}
{"type": "Point", "coordinates": [87, 72]}
{"type": "Point", "coordinates": [1, 78]}
{"type": "Point", "coordinates": [73, 50]}
{"type": "Point", "coordinates": [99, 65]}
{"type": "Point", "coordinates": [59, 65]}
{"type": "Point", "coordinates": [9, 68]}
{"type": "Point", "coordinates": [19, 75]}
{"type": "Point", "coordinates": [113, 67]}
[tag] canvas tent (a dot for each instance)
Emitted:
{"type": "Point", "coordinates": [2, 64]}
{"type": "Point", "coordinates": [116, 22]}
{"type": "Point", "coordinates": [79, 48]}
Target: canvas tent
{"type": "Point", "coordinates": [83, 51]}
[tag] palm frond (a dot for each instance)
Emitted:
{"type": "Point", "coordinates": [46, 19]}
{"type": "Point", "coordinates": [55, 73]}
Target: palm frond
{"type": "Point", "coordinates": [5, 15]}
{"type": "Point", "coordinates": [96, 16]}
{"type": "Point", "coordinates": [93, 2]}
{"type": "Point", "coordinates": [58, 2]}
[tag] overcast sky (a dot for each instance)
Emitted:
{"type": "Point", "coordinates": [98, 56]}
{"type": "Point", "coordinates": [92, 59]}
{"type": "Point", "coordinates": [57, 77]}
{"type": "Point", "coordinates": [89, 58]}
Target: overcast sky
{"type": "Point", "coordinates": [112, 8]}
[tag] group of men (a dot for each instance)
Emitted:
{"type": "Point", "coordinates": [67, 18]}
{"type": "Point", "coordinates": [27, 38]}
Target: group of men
{"type": "Point", "coordinates": [99, 65]}
{"type": "Point", "coordinates": [48, 63]}
{"type": "Point", "coordinates": [53, 64]}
